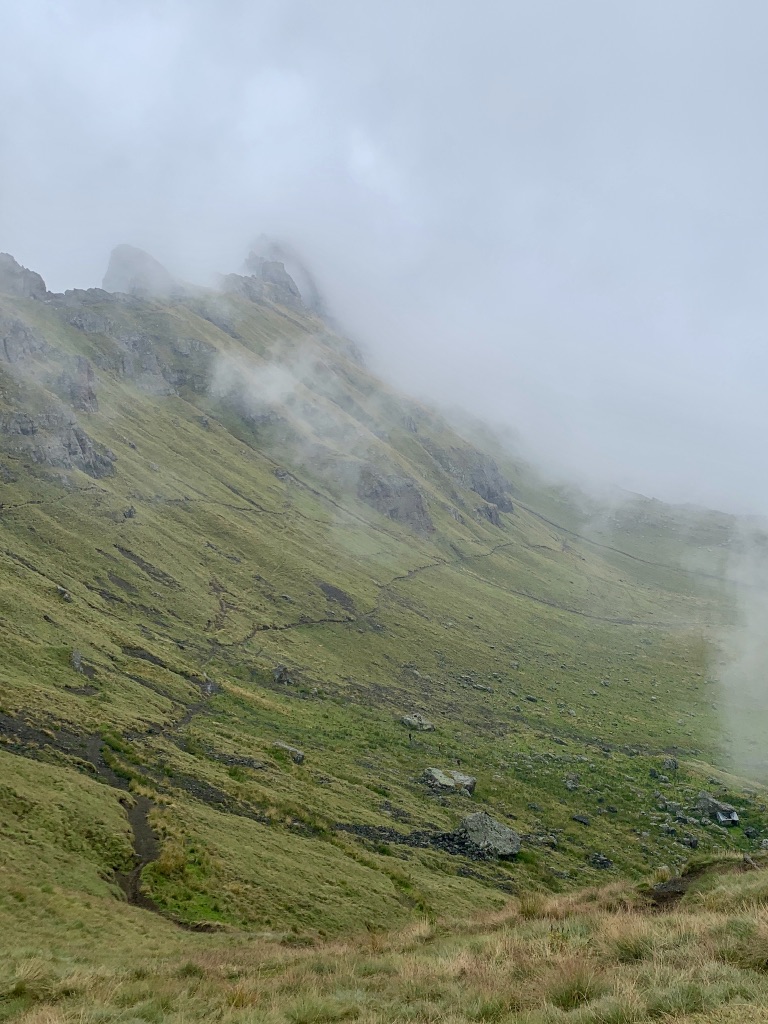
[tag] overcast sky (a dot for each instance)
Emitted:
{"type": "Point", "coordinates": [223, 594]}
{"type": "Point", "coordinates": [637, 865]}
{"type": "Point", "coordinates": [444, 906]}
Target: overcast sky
{"type": "Point", "coordinates": [553, 213]}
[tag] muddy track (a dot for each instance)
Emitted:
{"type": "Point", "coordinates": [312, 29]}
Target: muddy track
{"type": "Point", "coordinates": [28, 741]}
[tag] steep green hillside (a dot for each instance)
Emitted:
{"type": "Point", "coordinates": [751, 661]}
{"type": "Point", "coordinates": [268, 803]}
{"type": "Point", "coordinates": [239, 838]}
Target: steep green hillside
{"type": "Point", "coordinates": [233, 560]}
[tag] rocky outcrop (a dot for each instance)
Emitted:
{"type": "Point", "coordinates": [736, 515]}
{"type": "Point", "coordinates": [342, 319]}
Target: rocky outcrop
{"type": "Point", "coordinates": [79, 386]}
{"type": "Point", "coordinates": [279, 252]}
{"type": "Point", "coordinates": [396, 497]}
{"type": "Point", "coordinates": [268, 281]}
{"type": "Point", "coordinates": [476, 471]}
{"type": "Point", "coordinates": [17, 280]}
{"type": "Point", "coordinates": [18, 342]}
{"type": "Point", "coordinates": [488, 837]}
{"type": "Point", "coordinates": [54, 438]}
{"type": "Point", "coordinates": [135, 272]}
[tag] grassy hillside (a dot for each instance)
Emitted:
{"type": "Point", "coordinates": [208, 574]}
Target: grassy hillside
{"type": "Point", "coordinates": [219, 533]}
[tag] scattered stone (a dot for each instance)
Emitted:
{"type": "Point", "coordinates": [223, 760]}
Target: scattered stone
{"type": "Point", "coordinates": [531, 698]}
{"type": "Point", "coordinates": [130, 512]}
{"type": "Point", "coordinates": [417, 722]}
{"type": "Point", "coordinates": [750, 833]}
{"type": "Point", "coordinates": [76, 661]}
{"type": "Point", "coordinates": [582, 819]}
{"type": "Point", "coordinates": [600, 861]}
{"type": "Point", "coordinates": [64, 594]}
{"type": "Point", "coordinates": [296, 755]}
{"type": "Point", "coordinates": [670, 764]}
{"type": "Point", "coordinates": [572, 782]}
{"type": "Point", "coordinates": [611, 809]}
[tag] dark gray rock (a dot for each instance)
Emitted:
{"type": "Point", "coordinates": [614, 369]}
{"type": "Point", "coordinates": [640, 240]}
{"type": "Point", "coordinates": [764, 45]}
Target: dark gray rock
{"type": "Point", "coordinates": [487, 836]}
{"type": "Point", "coordinates": [582, 819]}
{"type": "Point", "coordinates": [600, 861]}
{"type": "Point", "coordinates": [396, 497]}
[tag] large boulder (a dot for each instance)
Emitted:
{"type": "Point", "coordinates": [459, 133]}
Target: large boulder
{"type": "Point", "coordinates": [417, 723]}
{"type": "Point", "coordinates": [489, 837]}
{"type": "Point", "coordinates": [17, 280]}
{"type": "Point", "coordinates": [724, 814]}
{"type": "Point", "coordinates": [294, 753]}
{"type": "Point", "coordinates": [451, 781]}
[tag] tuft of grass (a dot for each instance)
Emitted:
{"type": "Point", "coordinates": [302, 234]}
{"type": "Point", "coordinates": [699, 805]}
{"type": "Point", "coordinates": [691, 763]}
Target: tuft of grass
{"type": "Point", "coordinates": [576, 983]}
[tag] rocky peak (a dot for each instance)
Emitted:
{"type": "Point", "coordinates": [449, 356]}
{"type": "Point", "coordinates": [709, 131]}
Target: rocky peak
{"type": "Point", "coordinates": [17, 280]}
{"type": "Point", "coordinates": [268, 281]}
{"type": "Point", "coordinates": [135, 272]}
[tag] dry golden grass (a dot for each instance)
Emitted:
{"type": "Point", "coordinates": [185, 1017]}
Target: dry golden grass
{"type": "Point", "coordinates": [589, 958]}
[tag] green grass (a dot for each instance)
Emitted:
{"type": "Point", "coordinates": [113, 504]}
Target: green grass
{"type": "Point", "coordinates": [249, 548]}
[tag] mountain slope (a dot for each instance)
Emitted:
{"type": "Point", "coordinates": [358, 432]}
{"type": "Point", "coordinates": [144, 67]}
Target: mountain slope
{"type": "Point", "coordinates": [225, 545]}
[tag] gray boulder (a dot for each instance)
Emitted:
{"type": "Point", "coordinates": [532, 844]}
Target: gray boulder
{"type": "Point", "coordinates": [295, 754]}
{"type": "Point", "coordinates": [418, 723]}
{"type": "Point", "coordinates": [450, 781]}
{"type": "Point", "coordinates": [724, 814]}
{"type": "Point", "coordinates": [488, 836]}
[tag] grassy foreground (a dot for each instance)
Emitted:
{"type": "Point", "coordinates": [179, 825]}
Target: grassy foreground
{"type": "Point", "coordinates": [602, 956]}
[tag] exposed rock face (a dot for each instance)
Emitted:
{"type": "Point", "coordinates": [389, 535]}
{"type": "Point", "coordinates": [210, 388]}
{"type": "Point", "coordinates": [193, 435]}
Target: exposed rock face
{"type": "Point", "coordinates": [135, 272]}
{"type": "Point", "coordinates": [489, 512]}
{"type": "Point", "coordinates": [477, 472]}
{"type": "Point", "coordinates": [487, 836]}
{"type": "Point", "coordinates": [269, 281]}
{"type": "Point", "coordinates": [53, 437]}
{"type": "Point", "coordinates": [18, 342]}
{"type": "Point", "coordinates": [396, 497]}
{"type": "Point", "coordinates": [278, 252]}
{"type": "Point", "coordinates": [456, 782]}
{"type": "Point", "coordinates": [17, 280]}
{"type": "Point", "coordinates": [418, 723]}
{"type": "Point", "coordinates": [80, 386]}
